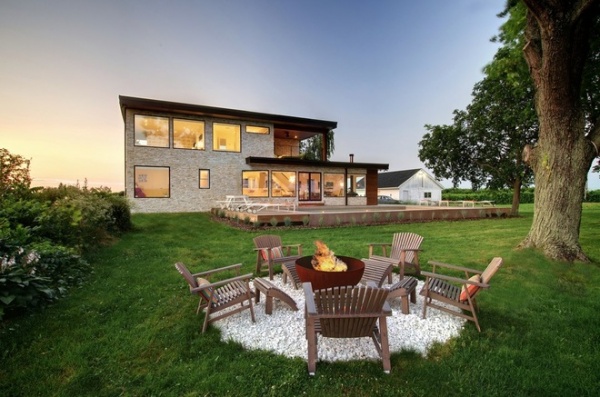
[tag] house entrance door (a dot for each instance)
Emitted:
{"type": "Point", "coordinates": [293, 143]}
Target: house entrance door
{"type": "Point", "coordinates": [309, 186]}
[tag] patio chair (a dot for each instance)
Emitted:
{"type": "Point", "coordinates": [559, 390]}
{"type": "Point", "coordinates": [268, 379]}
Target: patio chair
{"type": "Point", "coordinates": [376, 271]}
{"type": "Point", "coordinates": [219, 295]}
{"type": "Point", "coordinates": [347, 312]}
{"type": "Point", "coordinates": [458, 292]}
{"type": "Point", "coordinates": [404, 253]}
{"type": "Point", "coordinates": [270, 251]}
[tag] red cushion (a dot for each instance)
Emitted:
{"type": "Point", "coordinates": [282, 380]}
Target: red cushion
{"type": "Point", "coordinates": [470, 289]}
{"type": "Point", "coordinates": [206, 292]}
{"type": "Point", "coordinates": [276, 252]}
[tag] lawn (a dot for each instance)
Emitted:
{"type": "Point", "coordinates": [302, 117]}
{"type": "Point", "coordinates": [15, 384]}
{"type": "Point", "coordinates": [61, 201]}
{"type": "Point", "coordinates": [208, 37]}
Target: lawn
{"type": "Point", "coordinates": [132, 329]}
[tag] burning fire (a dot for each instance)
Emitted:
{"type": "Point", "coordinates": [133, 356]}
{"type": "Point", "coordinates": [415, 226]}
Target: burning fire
{"type": "Point", "coordinates": [325, 260]}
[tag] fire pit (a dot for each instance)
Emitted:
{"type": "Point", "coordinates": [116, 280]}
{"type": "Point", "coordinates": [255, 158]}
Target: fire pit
{"type": "Point", "coordinates": [321, 279]}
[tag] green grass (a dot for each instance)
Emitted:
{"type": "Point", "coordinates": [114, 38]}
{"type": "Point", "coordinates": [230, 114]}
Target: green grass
{"type": "Point", "coordinates": [132, 330]}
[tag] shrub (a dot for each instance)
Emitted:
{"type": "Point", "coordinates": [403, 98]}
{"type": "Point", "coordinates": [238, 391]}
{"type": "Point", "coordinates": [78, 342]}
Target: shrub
{"type": "Point", "coordinates": [274, 221]}
{"type": "Point", "coordinates": [287, 221]}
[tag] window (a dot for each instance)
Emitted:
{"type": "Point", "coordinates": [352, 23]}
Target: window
{"type": "Point", "coordinates": [333, 185]}
{"type": "Point", "coordinates": [151, 182]}
{"type": "Point", "coordinates": [309, 186]}
{"type": "Point", "coordinates": [283, 184]}
{"type": "Point", "coordinates": [226, 137]}
{"type": "Point", "coordinates": [204, 179]}
{"type": "Point", "coordinates": [255, 183]}
{"type": "Point", "coordinates": [356, 185]}
{"type": "Point", "coordinates": [151, 131]}
{"type": "Point", "coordinates": [427, 195]}
{"type": "Point", "coordinates": [188, 134]}
{"type": "Point", "coordinates": [254, 129]}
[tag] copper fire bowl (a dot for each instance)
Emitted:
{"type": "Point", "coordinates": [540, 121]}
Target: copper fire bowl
{"type": "Point", "coordinates": [322, 280]}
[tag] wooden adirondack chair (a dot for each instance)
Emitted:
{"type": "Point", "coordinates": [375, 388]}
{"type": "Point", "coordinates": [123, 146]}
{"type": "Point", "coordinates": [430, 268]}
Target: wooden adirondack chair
{"type": "Point", "coordinates": [455, 291]}
{"type": "Point", "coordinates": [347, 312]}
{"type": "Point", "coordinates": [221, 294]}
{"type": "Point", "coordinates": [376, 271]}
{"type": "Point", "coordinates": [404, 252]}
{"type": "Point", "coordinates": [270, 251]}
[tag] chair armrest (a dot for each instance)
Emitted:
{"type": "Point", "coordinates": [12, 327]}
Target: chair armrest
{"type": "Point", "coordinates": [453, 279]}
{"type": "Point", "coordinates": [309, 299]}
{"type": "Point", "coordinates": [244, 277]}
{"type": "Point", "coordinates": [382, 245]}
{"type": "Point", "coordinates": [237, 266]}
{"type": "Point", "coordinates": [461, 268]}
{"type": "Point", "coordinates": [298, 247]}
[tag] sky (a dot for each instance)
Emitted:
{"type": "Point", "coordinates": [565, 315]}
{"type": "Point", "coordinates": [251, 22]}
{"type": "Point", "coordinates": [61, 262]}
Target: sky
{"type": "Point", "coordinates": [381, 69]}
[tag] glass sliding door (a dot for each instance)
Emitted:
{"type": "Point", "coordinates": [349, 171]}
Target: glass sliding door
{"type": "Point", "coordinates": [309, 186]}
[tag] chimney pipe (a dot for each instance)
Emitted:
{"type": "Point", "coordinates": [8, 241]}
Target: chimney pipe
{"type": "Point", "coordinates": [352, 157]}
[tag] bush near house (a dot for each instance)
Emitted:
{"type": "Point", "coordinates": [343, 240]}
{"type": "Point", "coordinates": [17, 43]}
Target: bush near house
{"type": "Point", "coordinates": [43, 235]}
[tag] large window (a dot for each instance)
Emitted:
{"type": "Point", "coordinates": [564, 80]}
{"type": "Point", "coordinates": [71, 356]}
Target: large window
{"type": "Point", "coordinates": [356, 184]}
{"type": "Point", "coordinates": [188, 134]}
{"type": "Point", "coordinates": [333, 185]}
{"type": "Point", "coordinates": [255, 183]}
{"type": "Point", "coordinates": [226, 137]}
{"type": "Point", "coordinates": [204, 179]}
{"type": "Point", "coordinates": [309, 186]}
{"type": "Point", "coordinates": [283, 184]}
{"type": "Point", "coordinates": [151, 131]}
{"type": "Point", "coordinates": [151, 182]}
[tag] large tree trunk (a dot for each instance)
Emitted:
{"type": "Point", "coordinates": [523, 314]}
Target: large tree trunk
{"type": "Point", "coordinates": [517, 184]}
{"type": "Point", "coordinates": [556, 51]}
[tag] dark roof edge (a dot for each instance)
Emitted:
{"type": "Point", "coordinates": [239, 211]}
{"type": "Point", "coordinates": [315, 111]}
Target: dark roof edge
{"type": "Point", "coordinates": [153, 104]}
{"type": "Point", "coordinates": [316, 163]}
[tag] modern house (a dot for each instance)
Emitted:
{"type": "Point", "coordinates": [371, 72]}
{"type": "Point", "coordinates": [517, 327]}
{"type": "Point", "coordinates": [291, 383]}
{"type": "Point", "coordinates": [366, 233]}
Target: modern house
{"type": "Point", "coordinates": [410, 186]}
{"type": "Point", "coordinates": [185, 158]}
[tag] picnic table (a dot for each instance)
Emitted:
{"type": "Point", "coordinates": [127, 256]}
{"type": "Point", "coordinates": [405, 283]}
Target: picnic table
{"type": "Point", "coordinates": [466, 203]}
{"type": "Point", "coordinates": [233, 202]}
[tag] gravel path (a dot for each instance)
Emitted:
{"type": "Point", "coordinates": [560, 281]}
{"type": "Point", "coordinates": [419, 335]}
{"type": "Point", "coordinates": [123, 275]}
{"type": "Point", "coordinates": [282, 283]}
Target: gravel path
{"type": "Point", "coordinates": [283, 332]}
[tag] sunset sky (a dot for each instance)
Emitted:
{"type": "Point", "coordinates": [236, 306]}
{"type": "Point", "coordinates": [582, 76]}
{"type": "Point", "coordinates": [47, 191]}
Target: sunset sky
{"type": "Point", "coordinates": [382, 69]}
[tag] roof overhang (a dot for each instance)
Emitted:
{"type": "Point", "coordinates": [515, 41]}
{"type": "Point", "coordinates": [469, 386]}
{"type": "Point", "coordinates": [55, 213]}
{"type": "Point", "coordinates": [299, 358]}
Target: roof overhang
{"type": "Point", "coordinates": [279, 121]}
{"type": "Point", "coordinates": [315, 163]}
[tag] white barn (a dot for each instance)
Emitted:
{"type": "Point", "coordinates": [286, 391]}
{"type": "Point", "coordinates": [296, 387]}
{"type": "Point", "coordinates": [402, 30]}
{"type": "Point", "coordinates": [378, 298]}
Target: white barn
{"type": "Point", "coordinates": [409, 186]}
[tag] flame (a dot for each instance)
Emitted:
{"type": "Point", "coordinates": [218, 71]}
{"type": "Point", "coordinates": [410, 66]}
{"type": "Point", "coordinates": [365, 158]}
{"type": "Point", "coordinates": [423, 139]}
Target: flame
{"type": "Point", "coordinates": [325, 260]}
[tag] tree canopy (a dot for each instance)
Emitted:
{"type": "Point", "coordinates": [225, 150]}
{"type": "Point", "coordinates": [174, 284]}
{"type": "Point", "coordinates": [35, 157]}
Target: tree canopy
{"type": "Point", "coordinates": [14, 173]}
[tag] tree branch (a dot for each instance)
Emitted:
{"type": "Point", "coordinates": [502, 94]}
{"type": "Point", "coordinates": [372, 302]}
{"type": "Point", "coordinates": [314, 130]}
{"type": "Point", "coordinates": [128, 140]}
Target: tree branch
{"type": "Point", "coordinates": [582, 8]}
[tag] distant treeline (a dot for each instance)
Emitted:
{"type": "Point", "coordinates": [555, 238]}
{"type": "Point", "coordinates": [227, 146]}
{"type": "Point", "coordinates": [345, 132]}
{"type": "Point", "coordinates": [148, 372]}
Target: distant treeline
{"type": "Point", "coordinates": [503, 196]}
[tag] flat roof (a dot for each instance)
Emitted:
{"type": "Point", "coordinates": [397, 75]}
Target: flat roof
{"type": "Point", "coordinates": [279, 121]}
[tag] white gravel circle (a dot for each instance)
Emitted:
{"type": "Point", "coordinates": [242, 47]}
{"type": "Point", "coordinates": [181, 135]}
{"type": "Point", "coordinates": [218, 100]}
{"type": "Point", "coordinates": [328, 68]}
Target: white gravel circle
{"type": "Point", "coordinates": [283, 332]}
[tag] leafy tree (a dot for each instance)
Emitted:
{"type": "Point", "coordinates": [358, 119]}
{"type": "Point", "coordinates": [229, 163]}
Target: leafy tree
{"type": "Point", "coordinates": [14, 173]}
{"type": "Point", "coordinates": [311, 148]}
{"type": "Point", "coordinates": [561, 49]}
{"type": "Point", "coordinates": [484, 143]}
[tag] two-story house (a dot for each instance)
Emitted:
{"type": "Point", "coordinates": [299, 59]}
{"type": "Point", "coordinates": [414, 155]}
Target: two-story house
{"type": "Point", "coordinates": [185, 158]}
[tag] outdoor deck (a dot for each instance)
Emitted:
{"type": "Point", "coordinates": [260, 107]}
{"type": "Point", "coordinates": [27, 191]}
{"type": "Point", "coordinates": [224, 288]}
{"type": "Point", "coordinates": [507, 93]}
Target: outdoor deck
{"type": "Point", "coordinates": [324, 215]}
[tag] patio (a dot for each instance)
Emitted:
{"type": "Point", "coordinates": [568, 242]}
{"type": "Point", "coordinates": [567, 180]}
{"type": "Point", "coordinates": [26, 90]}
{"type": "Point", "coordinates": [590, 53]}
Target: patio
{"type": "Point", "coordinates": [330, 215]}
{"type": "Point", "coordinates": [283, 332]}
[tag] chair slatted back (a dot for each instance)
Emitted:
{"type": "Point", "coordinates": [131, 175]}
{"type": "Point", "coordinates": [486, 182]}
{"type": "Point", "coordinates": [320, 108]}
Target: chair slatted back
{"type": "Point", "coordinates": [349, 312]}
{"type": "Point", "coordinates": [405, 241]}
{"type": "Point", "coordinates": [183, 270]}
{"type": "Point", "coordinates": [267, 241]}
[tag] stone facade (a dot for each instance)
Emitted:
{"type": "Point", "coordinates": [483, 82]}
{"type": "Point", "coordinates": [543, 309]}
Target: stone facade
{"type": "Point", "coordinates": [225, 168]}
